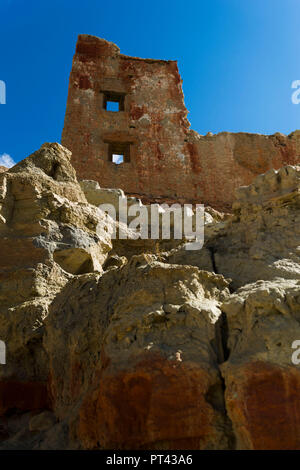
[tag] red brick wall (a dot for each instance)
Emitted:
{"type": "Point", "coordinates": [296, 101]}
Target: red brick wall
{"type": "Point", "coordinates": [167, 158]}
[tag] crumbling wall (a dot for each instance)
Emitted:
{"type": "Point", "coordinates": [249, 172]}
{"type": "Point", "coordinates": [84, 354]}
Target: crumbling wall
{"type": "Point", "coordinates": [226, 161]}
{"type": "Point", "coordinates": [162, 156]}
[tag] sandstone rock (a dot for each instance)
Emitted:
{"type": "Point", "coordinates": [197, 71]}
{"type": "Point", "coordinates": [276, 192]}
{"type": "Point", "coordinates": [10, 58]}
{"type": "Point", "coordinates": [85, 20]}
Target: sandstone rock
{"type": "Point", "coordinates": [96, 195]}
{"type": "Point", "coordinates": [3, 168]}
{"type": "Point", "coordinates": [42, 422]}
{"type": "Point", "coordinates": [142, 344]}
{"type": "Point", "coordinates": [262, 385]}
{"type": "Point", "coordinates": [262, 240]}
{"type": "Point", "coordinates": [126, 242]}
{"type": "Point", "coordinates": [139, 366]}
{"type": "Point", "coordinates": [42, 200]}
{"type": "Point", "coordinates": [48, 232]}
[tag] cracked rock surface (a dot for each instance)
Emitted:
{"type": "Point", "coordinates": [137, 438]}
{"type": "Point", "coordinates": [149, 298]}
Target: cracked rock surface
{"type": "Point", "coordinates": [117, 345]}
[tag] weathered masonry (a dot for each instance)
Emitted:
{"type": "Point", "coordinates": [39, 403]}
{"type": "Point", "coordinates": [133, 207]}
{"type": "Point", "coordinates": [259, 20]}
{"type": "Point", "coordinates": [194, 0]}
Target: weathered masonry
{"type": "Point", "coordinates": [126, 125]}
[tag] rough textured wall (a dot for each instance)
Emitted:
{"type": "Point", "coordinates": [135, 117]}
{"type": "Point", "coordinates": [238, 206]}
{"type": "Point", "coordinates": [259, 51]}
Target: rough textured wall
{"type": "Point", "coordinates": [167, 159]}
{"type": "Point", "coordinates": [153, 121]}
{"type": "Point", "coordinates": [226, 161]}
{"type": "Point", "coordinates": [118, 347]}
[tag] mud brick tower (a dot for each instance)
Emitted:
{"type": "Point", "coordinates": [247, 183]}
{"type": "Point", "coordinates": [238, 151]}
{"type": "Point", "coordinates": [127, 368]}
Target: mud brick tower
{"type": "Point", "coordinates": [148, 126]}
{"type": "Point", "coordinates": [134, 108]}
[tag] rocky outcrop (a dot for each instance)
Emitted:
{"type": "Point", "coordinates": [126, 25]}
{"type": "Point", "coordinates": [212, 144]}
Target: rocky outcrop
{"type": "Point", "coordinates": [261, 239]}
{"type": "Point", "coordinates": [125, 346]}
{"type": "Point", "coordinates": [259, 249]}
{"type": "Point", "coordinates": [126, 242]}
{"type": "Point", "coordinates": [3, 168]}
{"type": "Point", "coordinates": [48, 232]}
{"type": "Point", "coordinates": [140, 366]}
{"type": "Point", "coordinates": [262, 384]}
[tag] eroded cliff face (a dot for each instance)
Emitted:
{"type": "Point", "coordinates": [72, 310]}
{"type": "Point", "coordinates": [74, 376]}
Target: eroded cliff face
{"type": "Point", "coordinates": [146, 356]}
{"type": "Point", "coordinates": [48, 232]}
{"type": "Point", "coordinates": [223, 162]}
{"type": "Point", "coordinates": [163, 348]}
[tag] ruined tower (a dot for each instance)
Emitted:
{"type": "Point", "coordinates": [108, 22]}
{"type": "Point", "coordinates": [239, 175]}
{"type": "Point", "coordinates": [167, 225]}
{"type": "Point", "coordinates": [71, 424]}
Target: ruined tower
{"type": "Point", "coordinates": [132, 110]}
{"type": "Point", "coordinates": [147, 128]}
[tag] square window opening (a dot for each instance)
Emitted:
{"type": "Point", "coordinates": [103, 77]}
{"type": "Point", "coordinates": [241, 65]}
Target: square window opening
{"type": "Point", "coordinates": [118, 152]}
{"type": "Point", "coordinates": [113, 106]}
{"type": "Point", "coordinates": [113, 101]}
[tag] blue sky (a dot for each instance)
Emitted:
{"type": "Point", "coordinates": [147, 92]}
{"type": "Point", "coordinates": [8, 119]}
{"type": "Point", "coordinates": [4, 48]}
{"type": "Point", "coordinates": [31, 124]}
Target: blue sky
{"type": "Point", "coordinates": [237, 58]}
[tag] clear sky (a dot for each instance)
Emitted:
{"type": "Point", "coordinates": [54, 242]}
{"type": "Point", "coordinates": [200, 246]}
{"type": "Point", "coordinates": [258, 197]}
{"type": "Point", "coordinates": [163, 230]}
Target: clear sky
{"type": "Point", "coordinates": [237, 58]}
